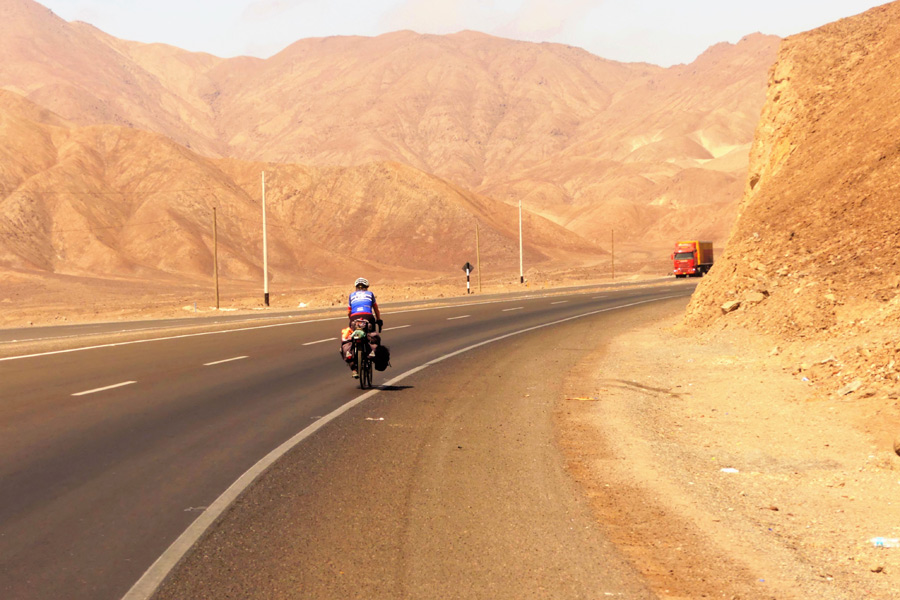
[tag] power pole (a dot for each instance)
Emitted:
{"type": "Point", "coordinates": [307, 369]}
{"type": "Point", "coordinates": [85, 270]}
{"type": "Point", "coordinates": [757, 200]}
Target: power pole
{"type": "Point", "coordinates": [477, 257]}
{"type": "Point", "coordinates": [265, 247]}
{"type": "Point", "coordinates": [521, 262]}
{"type": "Point", "coordinates": [216, 256]}
{"type": "Point", "coordinates": [612, 253]}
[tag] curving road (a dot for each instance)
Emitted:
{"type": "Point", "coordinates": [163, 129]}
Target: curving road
{"type": "Point", "coordinates": [108, 454]}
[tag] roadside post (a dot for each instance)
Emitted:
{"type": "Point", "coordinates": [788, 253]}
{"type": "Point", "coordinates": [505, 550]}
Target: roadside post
{"type": "Point", "coordinates": [468, 269]}
{"type": "Point", "coordinates": [265, 245]}
{"type": "Point", "coordinates": [478, 257]}
{"type": "Point", "coordinates": [216, 256]}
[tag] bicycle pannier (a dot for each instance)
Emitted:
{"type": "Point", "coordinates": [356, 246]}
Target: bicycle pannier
{"type": "Point", "coordinates": [382, 358]}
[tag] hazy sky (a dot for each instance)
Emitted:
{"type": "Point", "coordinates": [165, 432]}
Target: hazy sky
{"type": "Point", "coordinates": [664, 32]}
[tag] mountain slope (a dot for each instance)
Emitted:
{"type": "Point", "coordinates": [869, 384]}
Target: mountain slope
{"type": "Point", "coordinates": [591, 144]}
{"type": "Point", "coordinates": [111, 201]}
{"type": "Point", "coordinates": [80, 74]}
{"type": "Point", "coordinates": [814, 253]}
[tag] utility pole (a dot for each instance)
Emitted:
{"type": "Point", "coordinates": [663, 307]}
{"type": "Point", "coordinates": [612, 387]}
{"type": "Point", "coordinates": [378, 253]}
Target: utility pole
{"type": "Point", "coordinates": [612, 253]}
{"type": "Point", "coordinates": [477, 257]}
{"type": "Point", "coordinates": [265, 247]}
{"type": "Point", "coordinates": [521, 262]}
{"type": "Point", "coordinates": [216, 256]}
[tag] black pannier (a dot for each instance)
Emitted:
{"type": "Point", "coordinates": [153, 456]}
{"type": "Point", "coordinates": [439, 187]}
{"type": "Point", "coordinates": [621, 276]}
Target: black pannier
{"type": "Point", "coordinates": [382, 358]}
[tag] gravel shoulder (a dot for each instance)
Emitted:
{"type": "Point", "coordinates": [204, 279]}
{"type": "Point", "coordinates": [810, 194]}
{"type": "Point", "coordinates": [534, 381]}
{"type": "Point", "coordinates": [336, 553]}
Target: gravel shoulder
{"type": "Point", "coordinates": [722, 474]}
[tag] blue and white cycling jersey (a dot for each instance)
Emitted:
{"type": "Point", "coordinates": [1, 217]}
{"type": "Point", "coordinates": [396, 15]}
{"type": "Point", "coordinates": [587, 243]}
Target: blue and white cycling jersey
{"type": "Point", "coordinates": [362, 302]}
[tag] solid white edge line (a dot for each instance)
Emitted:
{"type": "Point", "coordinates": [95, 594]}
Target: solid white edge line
{"type": "Point", "coordinates": [163, 339]}
{"type": "Point", "coordinates": [153, 577]}
{"type": "Point", "coordinates": [188, 335]}
{"type": "Point", "coordinates": [219, 362]}
{"type": "Point", "coordinates": [455, 318]}
{"type": "Point", "coordinates": [319, 341]}
{"type": "Point", "coordinates": [78, 335]}
{"type": "Point", "coordinates": [103, 389]}
{"type": "Point", "coordinates": [239, 329]}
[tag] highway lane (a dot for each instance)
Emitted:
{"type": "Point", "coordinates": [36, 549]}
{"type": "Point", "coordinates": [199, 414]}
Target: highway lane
{"type": "Point", "coordinates": [80, 330]}
{"type": "Point", "coordinates": [107, 454]}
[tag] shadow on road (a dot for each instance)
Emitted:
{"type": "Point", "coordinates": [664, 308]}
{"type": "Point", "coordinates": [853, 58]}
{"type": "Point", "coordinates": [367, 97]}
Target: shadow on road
{"type": "Point", "coordinates": [393, 388]}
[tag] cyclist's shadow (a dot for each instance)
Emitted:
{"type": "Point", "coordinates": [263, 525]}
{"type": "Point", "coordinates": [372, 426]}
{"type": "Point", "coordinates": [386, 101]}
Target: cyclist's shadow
{"type": "Point", "coordinates": [392, 388]}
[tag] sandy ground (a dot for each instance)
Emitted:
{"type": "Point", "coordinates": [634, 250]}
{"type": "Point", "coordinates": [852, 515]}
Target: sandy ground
{"type": "Point", "coordinates": [721, 473]}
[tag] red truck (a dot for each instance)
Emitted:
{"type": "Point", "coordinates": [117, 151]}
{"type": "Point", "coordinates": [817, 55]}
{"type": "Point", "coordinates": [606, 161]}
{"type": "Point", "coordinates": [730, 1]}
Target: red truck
{"type": "Point", "coordinates": [692, 258]}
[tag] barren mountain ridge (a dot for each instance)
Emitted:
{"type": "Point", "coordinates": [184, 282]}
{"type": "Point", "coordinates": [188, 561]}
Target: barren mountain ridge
{"type": "Point", "coordinates": [115, 153]}
{"type": "Point", "coordinates": [813, 257]}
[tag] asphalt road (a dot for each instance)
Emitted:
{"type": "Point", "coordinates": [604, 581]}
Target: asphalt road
{"type": "Point", "coordinates": [108, 454]}
{"type": "Point", "coordinates": [64, 333]}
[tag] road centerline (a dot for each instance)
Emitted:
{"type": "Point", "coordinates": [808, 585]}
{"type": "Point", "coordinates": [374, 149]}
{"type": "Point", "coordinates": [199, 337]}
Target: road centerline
{"type": "Point", "coordinates": [511, 309]}
{"type": "Point", "coordinates": [227, 360]}
{"type": "Point", "coordinates": [455, 318]}
{"type": "Point", "coordinates": [103, 389]}
{"type": "Point", "coordinates": [331, 339]}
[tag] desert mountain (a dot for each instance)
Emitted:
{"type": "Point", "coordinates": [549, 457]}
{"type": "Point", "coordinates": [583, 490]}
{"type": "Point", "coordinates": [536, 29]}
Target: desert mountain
{"type": "Point", "coordinates": [78, 73]}
{"type": "Point", "coordinates": [113, 201]}
{"type": "Point", "coordinates": [589, 143]}
{"type": "Point", "coordinates": [814, 254]}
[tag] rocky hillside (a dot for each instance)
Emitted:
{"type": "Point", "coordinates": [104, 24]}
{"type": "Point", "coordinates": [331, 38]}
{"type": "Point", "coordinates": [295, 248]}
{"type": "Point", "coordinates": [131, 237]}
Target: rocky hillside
{"type": "Point", "coordinates": [815, 254]}
{"type": "Point", "coordinates": [589, 143]}
{"type": "Point", "coordinates": [110, 201]}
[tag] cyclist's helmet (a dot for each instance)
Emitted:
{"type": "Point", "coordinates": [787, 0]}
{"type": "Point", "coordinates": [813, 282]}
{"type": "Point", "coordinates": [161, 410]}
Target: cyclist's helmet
{"type": "Point", "coordinates": [362, 282]}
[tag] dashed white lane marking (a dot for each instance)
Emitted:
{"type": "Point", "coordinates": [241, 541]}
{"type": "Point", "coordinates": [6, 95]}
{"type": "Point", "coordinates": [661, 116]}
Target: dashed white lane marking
{"type": "Point", "coordinates": [516, 308]}
{"type": "Point", "coordinates": [159, 570]}
{"type": "Point", "coordinates": [397, 327]}
{"type": "Point", "coordinates": [219, 362]}
{"type": "Point", "coordinates": [560, 302]}
{"type": "Point", "coordinates": [455, 318]}
{"type": "Point", "coordinates": [598, 297]}
{"type": "Point", "coordinates": [320, 341]}
{"type": "Point", "coordinates": [103, 389]}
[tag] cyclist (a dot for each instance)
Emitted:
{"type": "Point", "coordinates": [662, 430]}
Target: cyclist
{"type": "Point", "coordinates": [363, 304]}
{"type": "Point", "coordinates": [362, 307]}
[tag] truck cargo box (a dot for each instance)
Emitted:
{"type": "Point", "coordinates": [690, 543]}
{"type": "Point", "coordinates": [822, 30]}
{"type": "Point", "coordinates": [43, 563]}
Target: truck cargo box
{"type": "Point", "coordinates": [692, 257]}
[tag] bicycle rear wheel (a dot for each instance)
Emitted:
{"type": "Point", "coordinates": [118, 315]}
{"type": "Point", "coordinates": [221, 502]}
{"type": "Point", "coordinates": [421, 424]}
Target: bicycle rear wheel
{"type": "Point", "coordinates": [368, 372]}
{"type": "Point", "coordinates": [361, 367]}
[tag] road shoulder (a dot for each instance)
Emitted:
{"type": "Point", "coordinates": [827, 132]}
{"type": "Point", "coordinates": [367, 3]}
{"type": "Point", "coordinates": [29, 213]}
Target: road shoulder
{"type": "Point", "coordinates": [716, 472]}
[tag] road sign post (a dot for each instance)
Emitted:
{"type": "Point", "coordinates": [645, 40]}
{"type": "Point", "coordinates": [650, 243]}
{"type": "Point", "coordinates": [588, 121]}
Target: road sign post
{"type": "Point", "coordinates": [468, 269]}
